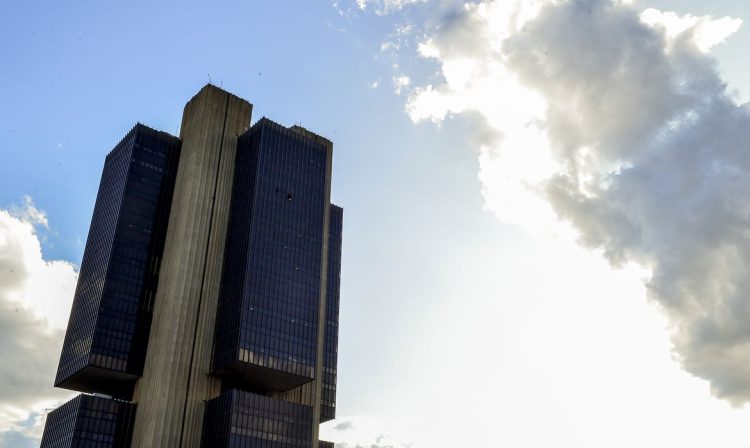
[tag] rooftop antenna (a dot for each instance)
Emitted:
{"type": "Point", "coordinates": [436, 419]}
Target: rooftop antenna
{"type": "Point", "coordinates": [210, 81]}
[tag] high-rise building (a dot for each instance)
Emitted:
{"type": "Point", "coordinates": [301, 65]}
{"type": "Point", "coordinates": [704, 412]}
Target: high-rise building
{"type": "Point", "coordinates": [206, 311]}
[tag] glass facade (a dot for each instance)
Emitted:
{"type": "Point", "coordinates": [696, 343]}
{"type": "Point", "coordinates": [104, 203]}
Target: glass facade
{"type": "Point", "coordinates": [267, 326]}
{"type": "Point", "coordinates": [89, 421]}
{"type": "Point", "coordinates": [331, 341]}
{"type": "Point", "coordinates": [107, 333]}
{"type": "Point", "coordinates": [238, 419]}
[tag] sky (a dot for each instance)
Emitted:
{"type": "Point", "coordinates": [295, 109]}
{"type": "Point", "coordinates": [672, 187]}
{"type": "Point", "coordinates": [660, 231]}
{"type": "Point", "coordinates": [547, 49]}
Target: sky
{"type": "Point", "coordinates": [546, 202]}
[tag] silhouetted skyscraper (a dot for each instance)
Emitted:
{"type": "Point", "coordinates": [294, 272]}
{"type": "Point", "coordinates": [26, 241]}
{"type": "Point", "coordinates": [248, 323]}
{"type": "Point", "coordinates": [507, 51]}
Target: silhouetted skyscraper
{"type": "Point", "coordinates": [207, 303]}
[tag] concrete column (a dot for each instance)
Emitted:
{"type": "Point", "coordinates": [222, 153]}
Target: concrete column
{"type": "Point", "coordinates": [176, 379]}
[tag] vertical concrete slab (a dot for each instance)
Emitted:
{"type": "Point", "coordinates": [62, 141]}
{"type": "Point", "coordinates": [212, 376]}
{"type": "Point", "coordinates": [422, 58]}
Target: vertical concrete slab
{"type": "Point", "coordinates": [323, 295]}
{"type": "Point", "coordinates": [175, 381]}
{"type": "Point", "coordinates": [203, 386]}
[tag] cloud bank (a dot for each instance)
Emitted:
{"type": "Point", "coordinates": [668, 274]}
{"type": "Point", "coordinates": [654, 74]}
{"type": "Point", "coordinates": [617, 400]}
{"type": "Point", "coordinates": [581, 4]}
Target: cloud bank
{"type": "Point", "coordinates": [616, 124]}
{"type": "Point", "coordinates": [35, 298]}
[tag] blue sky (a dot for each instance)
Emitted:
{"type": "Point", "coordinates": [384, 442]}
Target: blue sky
{"type": "Point", "coordinates": [110, 66]}
{"type": "Point", "coordinates": [477, 306]}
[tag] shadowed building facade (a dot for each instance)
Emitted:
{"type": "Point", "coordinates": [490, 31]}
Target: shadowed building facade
{"type": "Point", "coordinates": [206, 312]}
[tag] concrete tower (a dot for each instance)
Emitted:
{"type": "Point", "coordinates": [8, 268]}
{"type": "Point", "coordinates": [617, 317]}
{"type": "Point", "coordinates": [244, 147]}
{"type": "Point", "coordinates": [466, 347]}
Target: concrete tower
{"type": "Point", "coordinates": [206, 312]}
{"type": "Point", "coordinates": [175, 377]}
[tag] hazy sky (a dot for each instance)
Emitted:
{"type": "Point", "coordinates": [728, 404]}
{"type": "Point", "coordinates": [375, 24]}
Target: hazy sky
{"type": "Point", "coordinates": [546, 202]}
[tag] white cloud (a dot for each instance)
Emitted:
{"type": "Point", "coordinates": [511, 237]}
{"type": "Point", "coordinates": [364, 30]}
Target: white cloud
{"type": "Point", "coordinates": [35, 298]}
{"type": "Point", "coordinates": [478, 83]}
{"type": "Point", "coordinates": [359, 432]}
{"type": "Point", "coordinates": [400, 83]}
{"type": "Point", "coordinates": [383, 7]}
{"type": "Point", "coordinates": [398, 38]}
{"type": "Point", "coordinates": [617, 124]}
{"type": "Point", "coordinates": [29, 213]}
{"type": "Point", "coordinates": [705, 31]}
